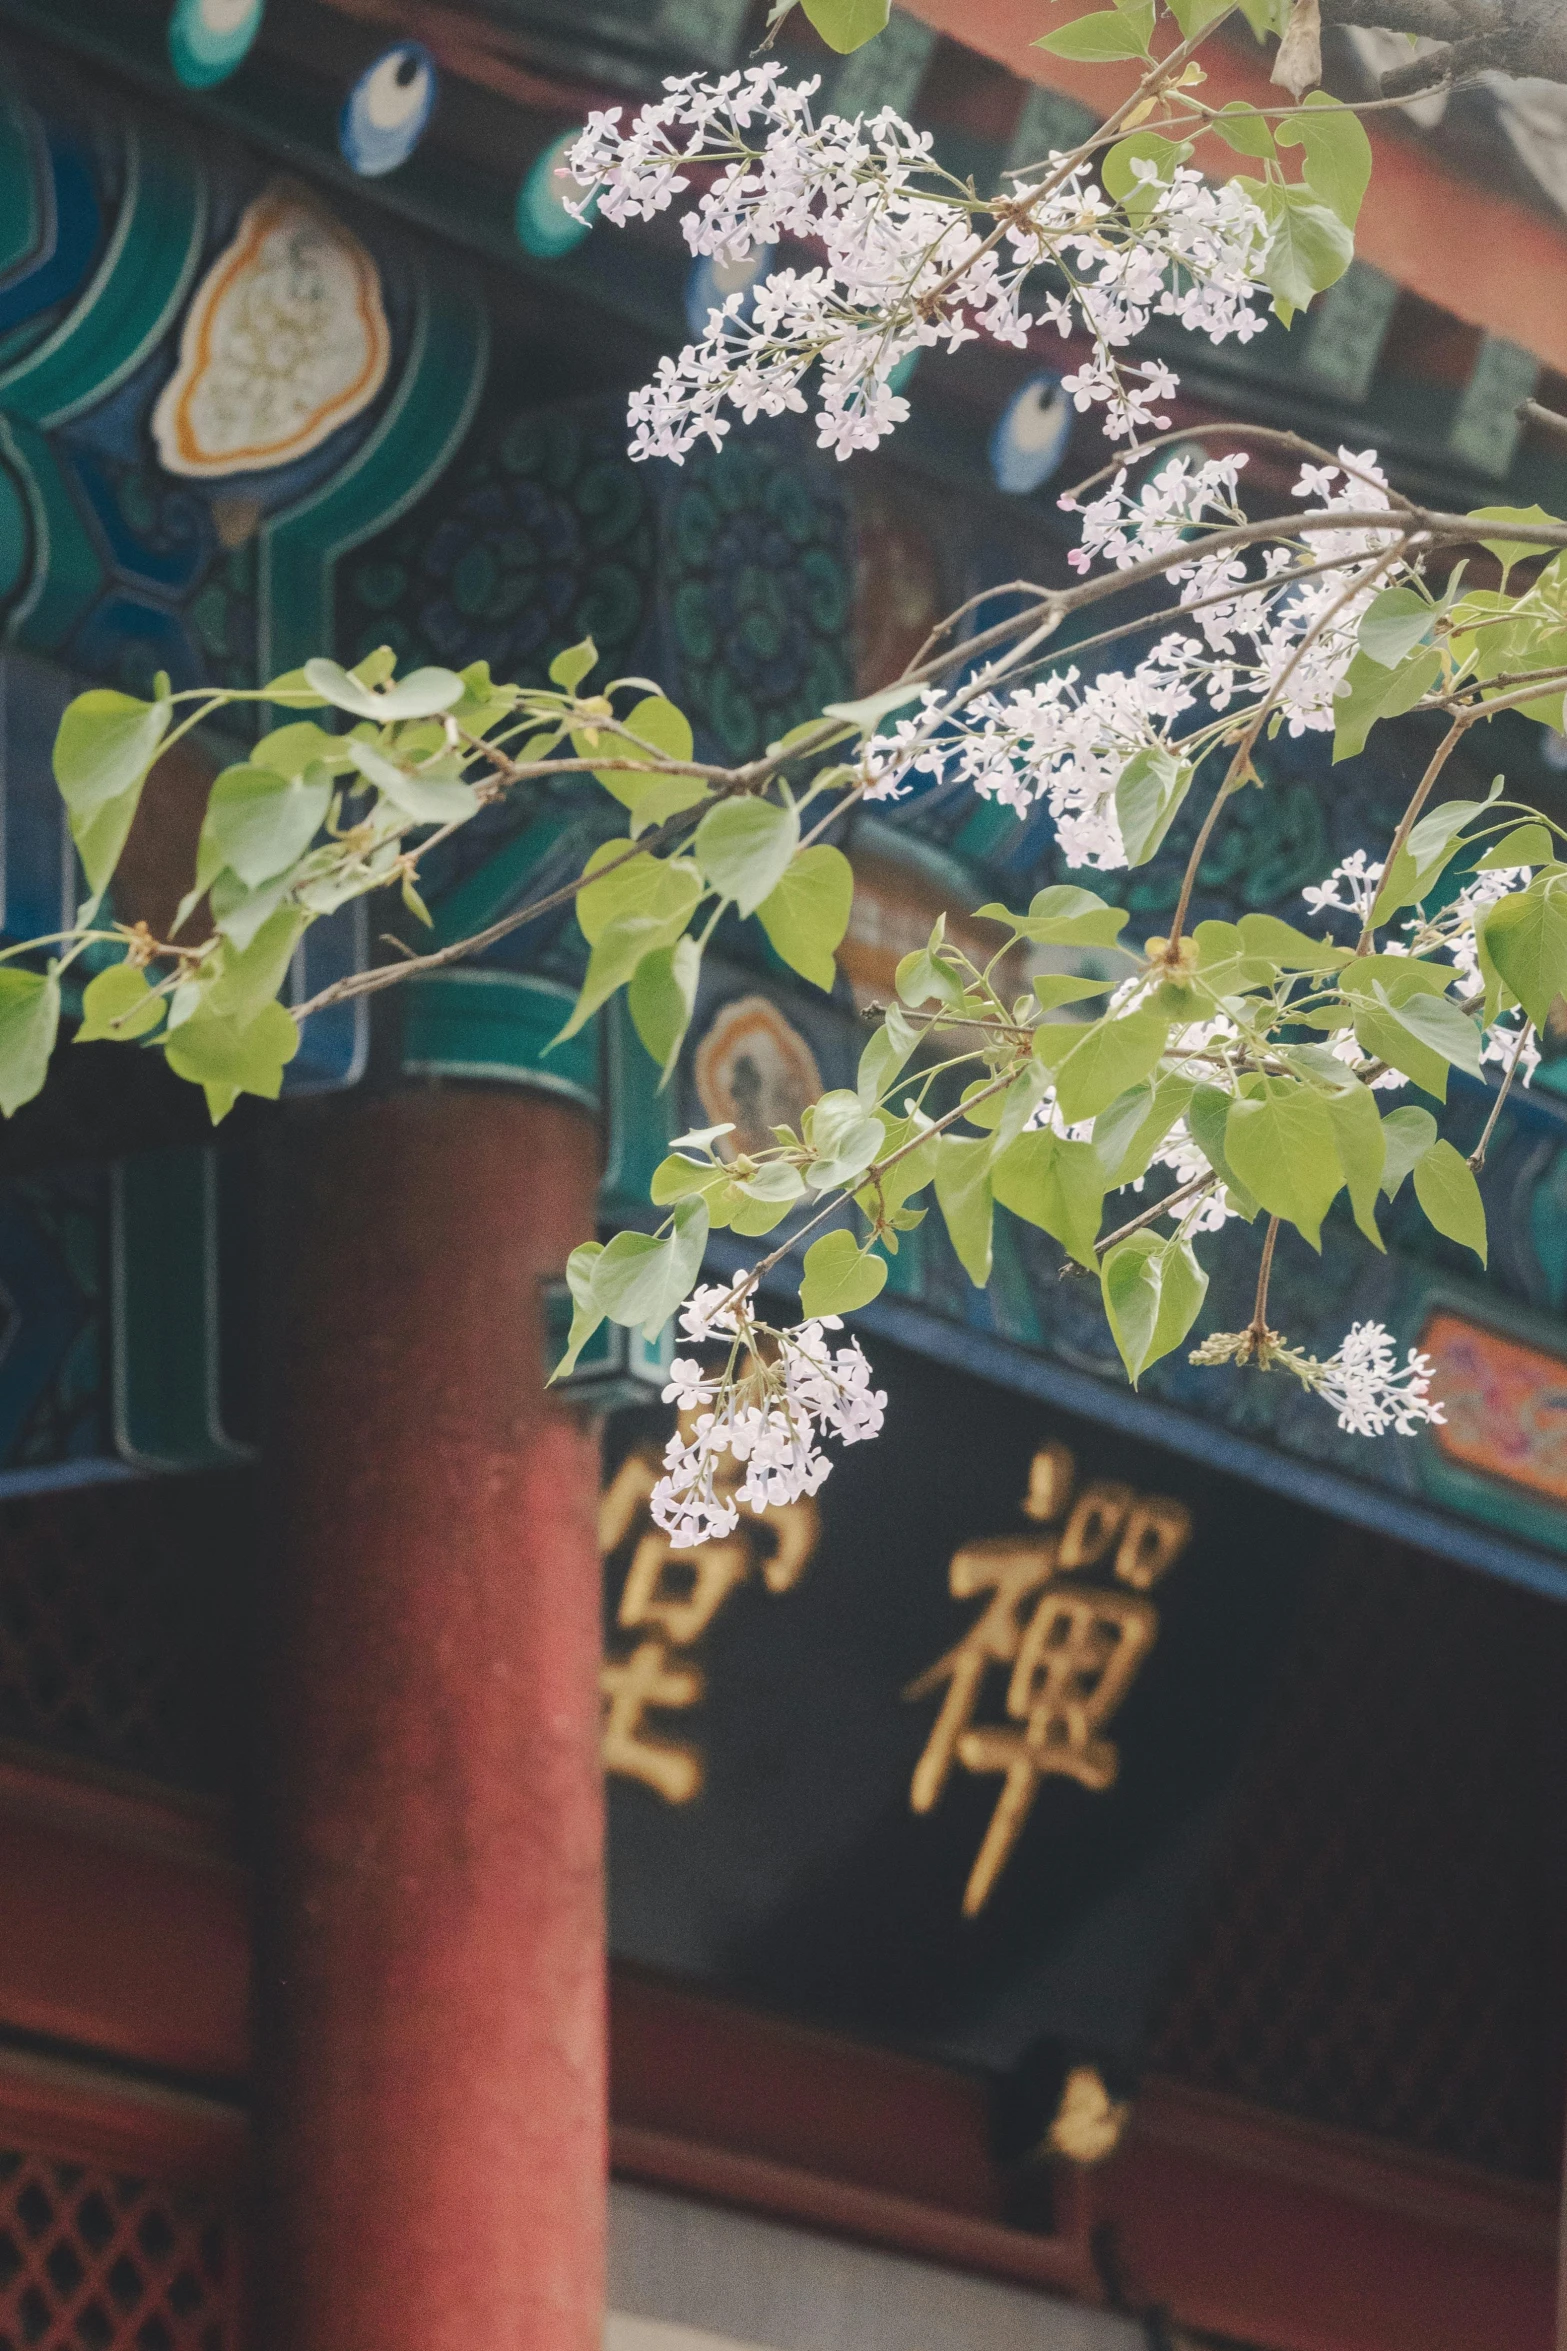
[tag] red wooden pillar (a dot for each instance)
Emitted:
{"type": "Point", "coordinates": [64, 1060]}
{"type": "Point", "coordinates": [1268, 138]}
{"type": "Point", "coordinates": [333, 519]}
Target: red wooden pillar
{"type": "Point", "coordinates": [431, 1946]}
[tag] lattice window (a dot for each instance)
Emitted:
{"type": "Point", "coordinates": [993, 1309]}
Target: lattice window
{"type": "Point", "coordinates": [121, 1625]}
{"type": "Point", "coordinates": [1382, 1949]}
{"type": "Point", "coordinates": [90, 2261]}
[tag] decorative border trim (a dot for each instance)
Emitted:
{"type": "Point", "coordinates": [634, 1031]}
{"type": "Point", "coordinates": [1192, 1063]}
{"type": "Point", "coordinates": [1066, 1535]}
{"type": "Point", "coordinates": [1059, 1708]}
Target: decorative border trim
{"type": "Point", "coordinates": [460, 1009]}
{"type": "Point", "coordinates": [1008, 1364]}
{"type": "Point", "coordinates": [180, 1316]}
{"type": "Point", "coordinates": [153, 253]}
{"type": "Point", "coordinates": [1452, 1485]}
{"type": "Point", "coordinates": [78, 2113]}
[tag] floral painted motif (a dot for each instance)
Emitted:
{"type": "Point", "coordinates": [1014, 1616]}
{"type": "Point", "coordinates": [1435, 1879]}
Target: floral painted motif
{"type": "Point", "coordinates": [285, 340]}
{"type": "Point", "coordinates": [1506, 1405]}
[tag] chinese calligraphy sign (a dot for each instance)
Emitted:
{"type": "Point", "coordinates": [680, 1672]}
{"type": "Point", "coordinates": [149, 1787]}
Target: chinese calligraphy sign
{"type": "Point", "coordinates": [668, 1600]}
{"type": "Point", "coordinates": [1068, 1620]}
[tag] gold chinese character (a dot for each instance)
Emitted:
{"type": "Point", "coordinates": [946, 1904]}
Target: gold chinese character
{"type": "Point", "coordinates": [796, 1529]}
{"type": "Point", "coordinates": [1153, 1529]}
{"type": "Point", "coordinates": [1011, 1567]}
{"type": "Point", "coordinates": [1089, 2124]}
{"type": "Point", "coordinates": [631, 1685]}
{"type": "Point", "coordinates": [1157, 1532]}
{"type": "Point", "coordinates": [1050, 1476]}
{"type": "Point", "coordinates": [1094, 1521]}
{"type": "Point", "coordinates": [675, 1595]}
{"type": "Point", "coordinates": [1073, 1661]}
{"type": "Point", "coordinates": [704, 1579]}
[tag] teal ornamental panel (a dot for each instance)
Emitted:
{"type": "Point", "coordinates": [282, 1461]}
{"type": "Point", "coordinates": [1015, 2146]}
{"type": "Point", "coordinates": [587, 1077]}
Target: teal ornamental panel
{"type": "Point", "coordinates": [415, 440]}
{"type": "Point", "coordinates": [167, 1372]}
{"type": "Point", "coordinates": [134, 294]}
{"type": "Point", "coordinates": [542, 533]}
{"type": "Point", "coordinates": [51, 222]}
{"type": "Point", "coordinates": [122, 313]}
{"type": "Point", "coordinates": [755, 590]}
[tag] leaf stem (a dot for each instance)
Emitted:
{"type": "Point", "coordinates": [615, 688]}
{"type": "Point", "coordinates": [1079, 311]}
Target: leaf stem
{"type": "Point", "coordinates": [1258, 1327]}
{"type": "Point", "coordinates": [387, 975]}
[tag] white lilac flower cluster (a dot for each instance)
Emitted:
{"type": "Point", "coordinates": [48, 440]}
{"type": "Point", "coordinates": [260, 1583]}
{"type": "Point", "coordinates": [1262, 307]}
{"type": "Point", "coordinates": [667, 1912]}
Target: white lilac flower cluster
{"type": "Point", "coordinates": [1064, 739]}
{"type": "Point", "coordinates": [908, 261]}
{"type": "Point", "coordinates": [1351, 888]}
{"type": "Point", "coordinates": [1190, 1054]}
{"type": "Point", "coordinates": [770, 1422]}
{"type": "Point", "coordinates": [1180, 1153]}
{"type": "Point", "coordinates": [1122, 527]}
{"type": "Point", "coordinates": [1067, 738]}
{"type": "Point", "coordinates": [1455, 929]}
{"type": "Point", "coordinates": [1363, 1381]}
{"type": "Point", "coordinates": [1368, 1390]}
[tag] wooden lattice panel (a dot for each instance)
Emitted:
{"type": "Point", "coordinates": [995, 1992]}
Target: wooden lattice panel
{"type": "Point", "coordinates": [119, 1614]}
{"type": "Point", "coordinates": [1383, 1944]}
{"type": "Point", "coordinates": [93, 2261]}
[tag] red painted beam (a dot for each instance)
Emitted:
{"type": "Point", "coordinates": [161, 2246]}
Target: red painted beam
{"type": "Point", "coordinates": [710, 2074]}
{"type": "Point", "coordinates": [1451, 240]}
{"type": "Point", "coordinates": [124, 1926]}
{"type": "Point", "coordinates": [1263, 2229]}
{"type": "Point", "coordinates": [1311, 2240]}
{"type": "Point", "coordinates": [80, 2115]}
{"type": "Point", "coordinates": [776, 2117]}
{"type": "Point", "coordinates": [1059, 2262]}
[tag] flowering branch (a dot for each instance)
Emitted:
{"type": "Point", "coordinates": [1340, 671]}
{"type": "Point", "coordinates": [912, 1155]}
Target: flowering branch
{"type": "Point", "coordinates": [1238, 1070]}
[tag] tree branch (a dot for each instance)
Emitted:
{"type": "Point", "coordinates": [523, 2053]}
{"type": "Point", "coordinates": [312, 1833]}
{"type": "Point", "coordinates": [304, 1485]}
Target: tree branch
{"type": "Point", "coordinates": [1523, 37]}
{"type": "Point", "coordinates": [1535, 412]}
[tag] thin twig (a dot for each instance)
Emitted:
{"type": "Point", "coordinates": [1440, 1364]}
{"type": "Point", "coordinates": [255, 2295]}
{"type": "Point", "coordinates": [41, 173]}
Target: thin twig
{"type": "Point", "coordinates": [387, 975]}
{"type": "Point", "coordinates": [1535, 412]}
{"type": "Point", "coordinates": [1240, 764]}
{"type": "Point", "coordinates": [1021, 211]}
{"type": "Point", "coordinates": [1533, 678]}
{"type": "Point", "coordinates": [1176, 1199]}
{"type": "Point", "coordinates": [944, 628]}
{"type": "Point", "coordinates": [1259, 1312]}
{"type": "Point", "coordinates": [872, 1174]}
{"type": "Point", "coordinates": [1477, 1155]}
{"type": "Point", "coordinates": [1167, 613]}
{"type": "Point", "coordinates": [1406, 823]}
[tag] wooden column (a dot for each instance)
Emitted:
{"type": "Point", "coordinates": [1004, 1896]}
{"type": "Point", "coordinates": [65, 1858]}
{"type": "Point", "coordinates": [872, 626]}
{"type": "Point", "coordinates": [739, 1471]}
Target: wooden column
{"type": "Point", "coordinates": [431, 1995]}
